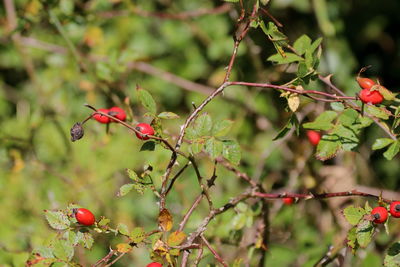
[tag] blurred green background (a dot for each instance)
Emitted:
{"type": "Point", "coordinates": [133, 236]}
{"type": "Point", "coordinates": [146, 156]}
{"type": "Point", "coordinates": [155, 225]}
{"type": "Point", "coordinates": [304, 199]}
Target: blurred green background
{"type": "Point", "coordinates": [43, 86]}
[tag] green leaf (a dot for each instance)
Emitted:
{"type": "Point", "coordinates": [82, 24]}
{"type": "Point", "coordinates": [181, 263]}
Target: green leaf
{"type": "Point", "coordinates": [222, 128]}
{"type": "Point", "coordinates": [137, 235]}
{"type": "Point", "coordinates": [348, 117]}
{"type": "Point", "coordinates": [147, 100]}
{"type": "Point", "coordinates": [315, 44]}
{"type": "Point", "coordinates": [288, 58]}
{"type": "Point", "coordinates": [85, 239]}
{"type": "Point", "coordinates": [123, 229]}
{"type": "Point", "coordinates": [292, 122]}
{"type": "Point", "coordinates": [203, 124]}
{"type": "Point", "coordinates": [302, 44]}
{"type": "Point", "coordinates": [347, 136]}
{"type": "Point", "coordinates": [167, 115]}
{"type": "Point", "coordinates": [352, 238]}
{"type": "Point", "coordinates": [231, 151]}
{"type": "Point", "coordinates": [392, 151]}
{"type": "Point", "coordinates": [63, 249]}
{"type": "Point", "coordinates": [213, 147]}
{"type": "Point", "coordinates": [57, 219]}
{"type": "Point", "coordinates": [148, 146]}
{"type": "Point", "coordinates": [353, 214]}
{"type": "Point", "coordinates": [103, 221]}
{"type": "Point", "coordinates": [197, 146]}
{"type": "Point", "coordinates": [337, 106]}
{"type": "Point", "coordinates": [364, 232]}
{"type": "Point", "coordinates": [392, 258]}
{"type": "Point", "coordinates": [125, 189]}
{"type": "Point", "coordinates": [328, 147]}
{"type": "Point", "coordinates": [378, 112]}
{"type": "Point", "coordinates": [381, 143]}
{"type": "Point", "coordinates": [323, 122]}
{"type": "Point", "coordinates": [132, 175]}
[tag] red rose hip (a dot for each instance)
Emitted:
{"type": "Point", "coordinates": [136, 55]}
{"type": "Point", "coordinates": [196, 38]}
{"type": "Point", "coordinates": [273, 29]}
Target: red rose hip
{"type": "Point", "coordinates": [373, 97]}
{"type": "Point", "coordinates": [365, 83]}
{"type": "Point", "coordinates": [154, 264]}
{"type": "Point", "coordinates": [84, 217]}
{"type": "Point", "coordinates": [117, 112]}
{"type": "Point", "coordinates": [101, 118]}
{"type": "Point", "coordinates": [395, 209]}
{"type": "Point", "coordinates": [313, 137]}
{"type": "Point", "coordinates": [288, 201]}
{"type": "Point", "coordinates": [379, 214]}
{"type": "Point", "coordinates": [145, 129]}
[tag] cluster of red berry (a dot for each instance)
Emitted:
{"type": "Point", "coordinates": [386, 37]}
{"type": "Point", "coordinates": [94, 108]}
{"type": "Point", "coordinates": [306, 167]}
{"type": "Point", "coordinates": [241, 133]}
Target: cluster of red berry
{"type": "Point", "coordinates": [373, 93]}
{"type": "Point", "coordinates": [143, 129]}
{"type": "Point", "coordinates": [380, 214]}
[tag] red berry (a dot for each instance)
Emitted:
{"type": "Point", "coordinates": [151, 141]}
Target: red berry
{"type": "Point", "coordinates": [288, 201]}
{"type": "Point", "coordinates": [154, 264]}
{"type": "Point", "coordinates": [365, 83]}
{"type": "Point", "coordinates": [380, 214]}
{"type": "Point", "coordinates": [395, 209]}
{"type": "Point", "coordinates": [373, 97]}
{"type": "Point", "coordinates": [117, 112]}
{"type": "Point", "coordinates": [144, 128]}
{"type": "Point", "coordinates": [84, 216]}
{"type": "Point", "coordinates": [101, 118]}
{"type": "Point", "coordinates": [313, 137]}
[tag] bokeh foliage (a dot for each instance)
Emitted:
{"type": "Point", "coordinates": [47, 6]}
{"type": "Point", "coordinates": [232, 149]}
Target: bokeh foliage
{"type": "Point", "coordinates": [58, 63]}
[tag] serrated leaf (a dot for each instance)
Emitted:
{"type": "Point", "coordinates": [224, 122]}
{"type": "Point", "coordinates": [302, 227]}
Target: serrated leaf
{"type": "Point", "coordinates": [137, 235]}
{"type": "Point", "coordinates": [86, 239]}
{"type": "Point", "coordinates": [222, 128]}
{"type": "Point", "coordinates": [125, 189]}
{"type": "Point", "coordinates": [392, 151]}
{"type": "Point", "coordinates": [202, 125]}
{"type": "Point", "coordinates": [364, 232]}
{"type": "Point", "coordinates": [166, 115]}
{"type": "Point", "coordinates": [348, 117]}
{"type": "Point", "coordinates": [165, 220]}
{"type": "Point", "coordinates": [381, 143]}
{"type": "Point", "coordinates": [148, 146]}
{"type": "Point", "coordinates": [288, 58]}
{"type": "Point", "coordinates": [392, 258]}
{"type": "Point", "coordinates": [231, 151]}
{"type": "Point", "coordinates": [71, 237]}
{"type": "Point", "coordinates": [103, 221]}
{"type": "Point", "coordinates": [353, 214]}
{"type": "Point", "coordinates": [352, 238]}
{"type": "Point", "coordinates": [63, 249]}
{"type": "Point", "coordinates": [57, 219]}
{"type": "Point", "coordinates": [123, 248]}
{"type": "Point", "coordinates": [213, 147]}
{"type": "Point", "coordinates": [147, 100]}
{"type": "Point", "coordinates": [379, 112]}
{"type": "Point", "coordinates": [328, 147]}
{"type": "Point", "coordinates": [123, 229]}
{"type": "Point", "coordinates": [302, 44]}
{"type": "Point", "coordinates": [176, 238]}
{"type": "Point", "coordinates": [323, 122]}
{"type": "Point", "coordinates": [315, 44]}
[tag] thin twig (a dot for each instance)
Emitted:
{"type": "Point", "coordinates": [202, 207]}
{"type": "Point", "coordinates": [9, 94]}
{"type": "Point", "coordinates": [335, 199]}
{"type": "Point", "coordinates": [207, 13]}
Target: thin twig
{"type": "Point", "coordinates": [318, 196]}
{"type": "Point", "coordinates": [213, 251]}
{"type": "Point", "coordinates": [190, 211]}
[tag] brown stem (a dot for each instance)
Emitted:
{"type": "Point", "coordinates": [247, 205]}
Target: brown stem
{"type": "Point", "coordinates": [190, 211]}
{"type": "Point", "coordinates": [318, 196]}
{"type": "Point", "coordinates": [213, 251]}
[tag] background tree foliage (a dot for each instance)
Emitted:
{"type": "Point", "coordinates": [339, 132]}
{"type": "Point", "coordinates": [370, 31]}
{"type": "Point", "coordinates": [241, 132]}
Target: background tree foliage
{"type": "Point", "coordinates": [57, 55]}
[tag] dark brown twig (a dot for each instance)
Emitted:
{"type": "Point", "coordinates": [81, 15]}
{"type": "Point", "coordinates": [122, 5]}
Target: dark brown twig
{"type": "Point", "coordinates": [213, 251]}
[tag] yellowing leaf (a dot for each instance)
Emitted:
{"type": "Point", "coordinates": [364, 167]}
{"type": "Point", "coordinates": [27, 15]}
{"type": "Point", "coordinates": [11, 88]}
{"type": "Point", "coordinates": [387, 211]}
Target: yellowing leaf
{"type": "Point", "coordinates": [124, 248]}
{"type": "Point", "coordinates": [176, 238]}
{"type": "Point", "coordinates": [165, 220]}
